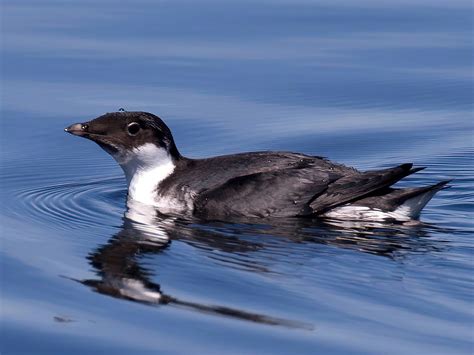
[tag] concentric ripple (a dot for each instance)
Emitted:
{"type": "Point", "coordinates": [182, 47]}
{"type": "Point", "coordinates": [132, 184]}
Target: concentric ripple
{"type": "Point", "coordinates": [72, 205]}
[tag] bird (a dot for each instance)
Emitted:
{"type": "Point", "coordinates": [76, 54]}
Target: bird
{"type": "Point", "coordinates": [264, 184]}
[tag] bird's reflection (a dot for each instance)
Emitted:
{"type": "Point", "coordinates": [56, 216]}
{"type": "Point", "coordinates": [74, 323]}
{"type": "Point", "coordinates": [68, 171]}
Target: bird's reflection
{"type": "Point", "coordinates": [144, 231]}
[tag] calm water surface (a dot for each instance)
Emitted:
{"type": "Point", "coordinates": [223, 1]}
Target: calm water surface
{"type": "Point", "coordinates": [371, 85]}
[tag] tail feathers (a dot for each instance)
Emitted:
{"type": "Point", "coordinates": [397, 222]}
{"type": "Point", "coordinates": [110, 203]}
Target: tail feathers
{"type": "Point", "coordinates": [400, 204]}
{"type": "Point", "coordinates": [353, 187]}
{"type": "Point", "coordinates": [414, 201]}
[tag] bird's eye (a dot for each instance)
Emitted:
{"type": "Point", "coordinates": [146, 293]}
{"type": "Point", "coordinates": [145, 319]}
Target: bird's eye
{"type": "Point", "coordinates": [133, 128]}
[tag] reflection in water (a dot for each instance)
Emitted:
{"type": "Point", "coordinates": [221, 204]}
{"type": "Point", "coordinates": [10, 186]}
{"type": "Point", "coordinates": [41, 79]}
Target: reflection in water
{"type": "Point", "coordinates": [389, 240]}
{"type": "Point", "coordinates": [145, 231]}
{"type": "Point", "coordinates": [121, 276]}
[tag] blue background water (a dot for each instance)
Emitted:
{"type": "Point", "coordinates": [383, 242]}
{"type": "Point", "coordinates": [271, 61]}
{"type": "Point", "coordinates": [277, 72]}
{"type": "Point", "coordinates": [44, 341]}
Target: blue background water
{"type": "Point", "coordinates": [366, 83]}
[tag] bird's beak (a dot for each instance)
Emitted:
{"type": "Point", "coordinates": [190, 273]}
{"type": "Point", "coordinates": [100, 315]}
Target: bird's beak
{"type": "Point", "coordinates": [78, 129]}
{"type": "Point", "coordinates": [82, 130]}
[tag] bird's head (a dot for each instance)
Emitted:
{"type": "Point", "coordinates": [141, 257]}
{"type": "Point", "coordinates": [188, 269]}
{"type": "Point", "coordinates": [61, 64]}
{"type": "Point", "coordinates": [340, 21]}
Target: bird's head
{"type": "Point", "coordinates": [136, 140]}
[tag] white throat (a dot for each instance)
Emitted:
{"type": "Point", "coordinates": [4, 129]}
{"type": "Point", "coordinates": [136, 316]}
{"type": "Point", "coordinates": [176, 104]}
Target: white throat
{"type": "Point", "coordinates": [145, 168]}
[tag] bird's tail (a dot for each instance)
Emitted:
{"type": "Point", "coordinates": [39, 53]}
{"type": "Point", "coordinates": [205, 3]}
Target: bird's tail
{"type": "Point", "coordinates": [412, 201]}
{"type": "Point", "coordinates": [390, 204]}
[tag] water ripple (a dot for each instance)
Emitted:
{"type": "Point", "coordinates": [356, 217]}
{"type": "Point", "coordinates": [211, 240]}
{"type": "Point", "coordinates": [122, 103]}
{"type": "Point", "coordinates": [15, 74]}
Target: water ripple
{"type": "Point", "coordinates": [72, 205]}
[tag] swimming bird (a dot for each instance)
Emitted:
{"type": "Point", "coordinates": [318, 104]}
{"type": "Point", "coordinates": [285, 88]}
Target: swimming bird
{"type": "Point", "coordinates": [256, 184]}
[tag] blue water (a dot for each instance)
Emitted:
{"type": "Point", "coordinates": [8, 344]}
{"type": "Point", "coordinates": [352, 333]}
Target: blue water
{"type": "Point", "coordinates": [366, 83]}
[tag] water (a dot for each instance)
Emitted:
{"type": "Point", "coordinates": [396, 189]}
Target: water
{"type": "Point", "coordinates": [371, 85]}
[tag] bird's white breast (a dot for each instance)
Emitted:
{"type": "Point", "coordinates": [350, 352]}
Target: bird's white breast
{"type": "Point", "coordinates": [145, 167]}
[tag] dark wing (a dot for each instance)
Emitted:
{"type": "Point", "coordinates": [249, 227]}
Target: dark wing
{"type": "Point", "coordinates": [355, 186]}
{"type": "Point", "coordinates": [280, 193]}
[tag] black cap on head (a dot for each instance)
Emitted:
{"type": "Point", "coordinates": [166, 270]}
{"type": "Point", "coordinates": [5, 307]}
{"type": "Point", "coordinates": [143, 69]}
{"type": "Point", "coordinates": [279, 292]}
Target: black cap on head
{"type": "Point", "coordinates": [122, 131]}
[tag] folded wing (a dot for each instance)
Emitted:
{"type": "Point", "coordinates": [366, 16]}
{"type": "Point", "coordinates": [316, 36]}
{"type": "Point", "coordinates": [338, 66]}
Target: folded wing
{"type": "Point", "coordinates": [279, 193]}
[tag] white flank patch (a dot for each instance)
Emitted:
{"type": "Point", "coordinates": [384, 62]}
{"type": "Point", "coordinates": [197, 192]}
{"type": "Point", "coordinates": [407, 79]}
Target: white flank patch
{"type": "Point", "coordinates": [368, 214]}
{"type": "Point", "coordinates": [145, 167]}
{"type": "Point", "coordinates": [407, 211]}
